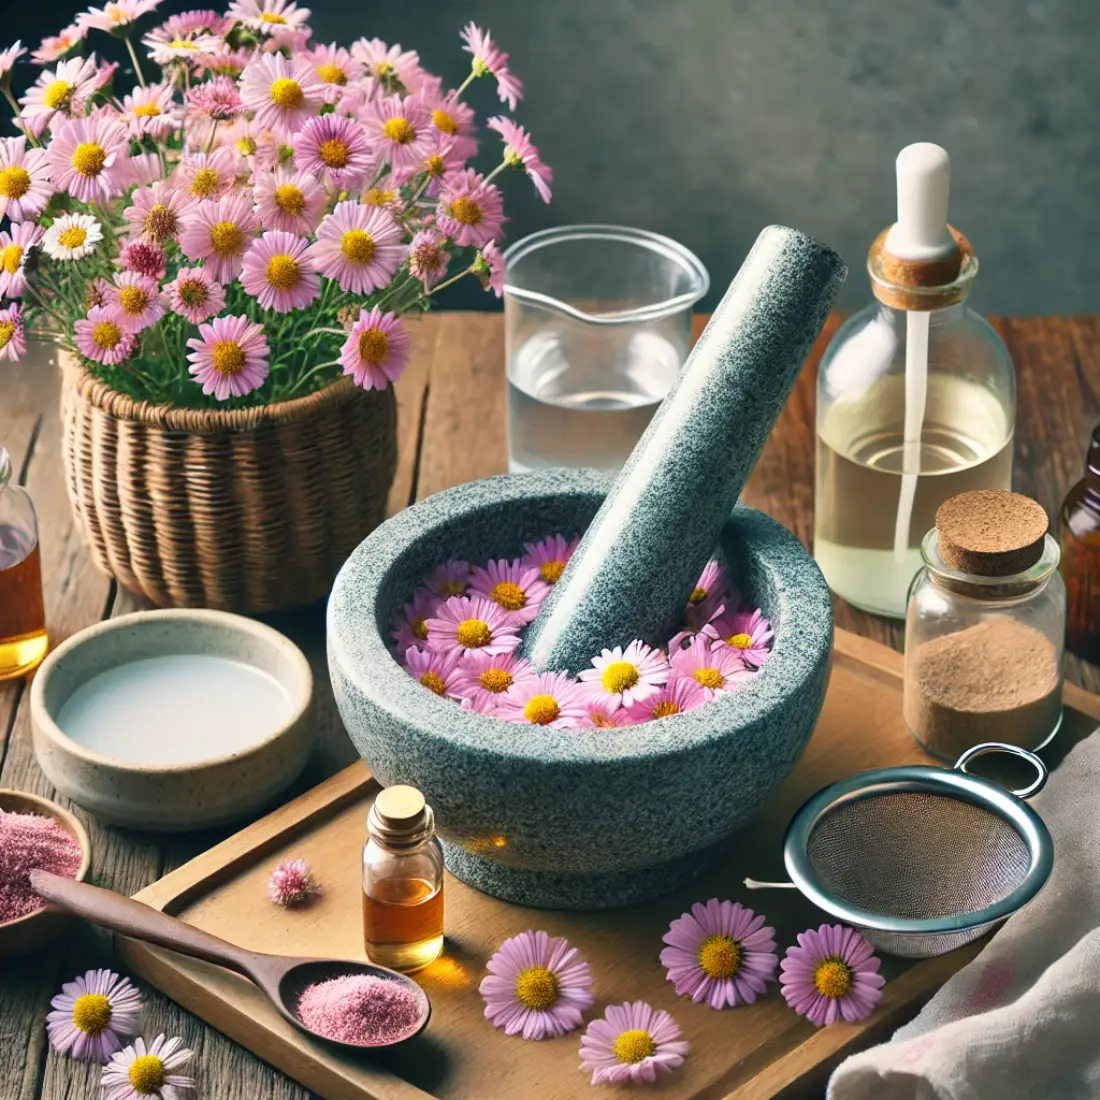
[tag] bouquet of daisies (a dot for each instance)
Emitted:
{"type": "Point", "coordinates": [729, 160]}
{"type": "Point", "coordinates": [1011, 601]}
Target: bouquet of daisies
{"type": "Point", "coordinates": [256, 215]}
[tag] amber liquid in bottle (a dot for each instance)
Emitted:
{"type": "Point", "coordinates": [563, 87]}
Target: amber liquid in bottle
{"type": "Point", "coordinates": [403, 923]}
{"type": "Point", "coordinates": [23, 640]}
{"type": "Point", "coordinates": [1080, 564]}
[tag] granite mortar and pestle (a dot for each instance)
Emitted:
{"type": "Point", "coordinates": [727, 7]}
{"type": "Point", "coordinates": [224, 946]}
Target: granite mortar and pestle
{"type": "Point", "coordinates": [588, 819]}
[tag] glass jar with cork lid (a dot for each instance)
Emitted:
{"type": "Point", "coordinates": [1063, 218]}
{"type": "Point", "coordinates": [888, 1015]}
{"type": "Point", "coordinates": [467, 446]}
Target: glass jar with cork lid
{"type": "Point", "coordinates": [985, 627]}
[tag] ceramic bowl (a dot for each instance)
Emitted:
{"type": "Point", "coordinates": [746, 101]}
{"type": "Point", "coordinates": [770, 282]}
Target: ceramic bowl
{"type": "Point", "coordinates": [173, 797]}
{"type": "Point", "coordinates": [577, 819]}
{"type": "Point", "coordinates": [19, 937]}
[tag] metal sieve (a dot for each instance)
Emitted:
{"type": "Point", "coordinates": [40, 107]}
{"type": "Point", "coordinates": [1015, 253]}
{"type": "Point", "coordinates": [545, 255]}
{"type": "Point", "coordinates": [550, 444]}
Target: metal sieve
{"type": "Point", "coordinates": [920, 859]}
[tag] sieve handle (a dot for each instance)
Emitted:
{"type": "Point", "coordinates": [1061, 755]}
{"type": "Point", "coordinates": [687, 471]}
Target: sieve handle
{"type": "Point", "coordinates": [756, 884]}
{"type": "Point", "coordinates": [990, 747]}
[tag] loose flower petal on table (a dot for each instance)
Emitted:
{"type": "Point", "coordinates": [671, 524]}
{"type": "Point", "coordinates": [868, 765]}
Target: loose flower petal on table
{"type": "Point", "coordinates": [292, 884]}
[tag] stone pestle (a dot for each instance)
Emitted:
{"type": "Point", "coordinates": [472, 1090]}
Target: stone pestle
{"type": "Point", "coordinates": [638, 562]}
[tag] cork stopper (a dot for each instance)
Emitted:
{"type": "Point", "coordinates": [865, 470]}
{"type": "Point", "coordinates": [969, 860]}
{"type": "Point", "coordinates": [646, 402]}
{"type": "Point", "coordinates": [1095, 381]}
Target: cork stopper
{"type": "Point", "coordinates": [989, 533]}
{"type": "Point", "coordinates": [400, 818]}
{"type": "Point", "coordinates": [399, 805]}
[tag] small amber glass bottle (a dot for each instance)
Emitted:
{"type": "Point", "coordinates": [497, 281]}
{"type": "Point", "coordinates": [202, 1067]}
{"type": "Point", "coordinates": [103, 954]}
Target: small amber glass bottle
{"type": "Point", "coordinates": [1080, 533]}
{"type": "Point", "coordinates": [402, 881]}
{"type": "Point", "coordinates": [23, 641]}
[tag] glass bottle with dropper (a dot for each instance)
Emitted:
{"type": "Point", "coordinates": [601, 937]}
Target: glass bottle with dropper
{"type": "Point", "coordinates": [916, 399]}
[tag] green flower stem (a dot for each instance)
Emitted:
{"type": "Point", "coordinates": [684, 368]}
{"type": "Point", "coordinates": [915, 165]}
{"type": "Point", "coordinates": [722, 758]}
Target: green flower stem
{"type": "Point", "coordinates": [496, 172]}
{"type": "Point", "coordinates": [137, 64]}
{"type": "Point", "coordinates": [16, 109]}
{"type": "Point", "coordinates": [474, 74]}
{"type": "Point", "coordinates": [452, 280]}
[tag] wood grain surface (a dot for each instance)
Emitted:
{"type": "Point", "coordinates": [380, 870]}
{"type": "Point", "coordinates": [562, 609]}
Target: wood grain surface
{"type": "Point", "coordinates": [451, 405]}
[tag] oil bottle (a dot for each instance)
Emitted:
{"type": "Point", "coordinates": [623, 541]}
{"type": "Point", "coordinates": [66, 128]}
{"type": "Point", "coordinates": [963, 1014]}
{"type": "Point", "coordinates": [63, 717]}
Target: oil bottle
{"type": "Point", "coordinates": [23, 640]}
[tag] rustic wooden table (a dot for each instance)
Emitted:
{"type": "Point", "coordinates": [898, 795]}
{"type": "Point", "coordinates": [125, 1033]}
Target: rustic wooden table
{"type": "Point", "coordinates": [451, 430]}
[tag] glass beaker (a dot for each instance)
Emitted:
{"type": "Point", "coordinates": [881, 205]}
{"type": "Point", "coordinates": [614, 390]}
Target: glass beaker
{"type": "Point", "coordinates": [597, 325]}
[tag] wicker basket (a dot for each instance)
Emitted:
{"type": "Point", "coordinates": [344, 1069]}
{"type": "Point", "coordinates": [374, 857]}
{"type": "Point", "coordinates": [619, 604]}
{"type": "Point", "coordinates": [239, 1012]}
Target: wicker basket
{"type": "Point", "coordinates": [247, 510]}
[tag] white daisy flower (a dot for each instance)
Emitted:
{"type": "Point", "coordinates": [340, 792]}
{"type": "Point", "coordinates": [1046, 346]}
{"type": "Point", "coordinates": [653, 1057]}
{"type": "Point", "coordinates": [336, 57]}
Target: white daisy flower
{"type": "Point", "coordinates": [72, 237]}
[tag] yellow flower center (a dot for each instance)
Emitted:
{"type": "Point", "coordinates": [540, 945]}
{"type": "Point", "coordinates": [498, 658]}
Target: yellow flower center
{"type": "Point", "coordinates": [283, 272]}
{"type": "Point", "coordinates": [739, 641]}
{"type": "Point", "coordinates": [495, 680]}
{"type": "Point", "coordinates": [7, 331]}
{"type": "Point", "coordinates": [537, 987]}
{"type": "Point", "coordinates": [332, 74]}
{"type": "Point", "coordinates": [618, 676]}
{"type": "Point", "coordinates": [15, 182]}
{"type": "Point", "coordinates": [227, 239]}
{"type": "Point", "coordinates": [666, 709]}
{"type": "Point", "coordinates": [473, 633]}
{"type": "Point", "coordinates": [133, 300]}
{"type": "Point", "coordinates": [710, 678]}
{"type": "Point", "coordinates": [445, 122]}
{"type": "Point", "coordinates": [146, 110]}
{"type": "Point", "coordinates": [433, 682]}
{"type": "Point", "coordinates": [107, 335]}
{"type": "Point", "coordinates": [551, 571]}
{"type": "Point", "coordinates": [453, 588]}
{"type": "Point", "coordinates": [374, 346]}
{"type": "Point", "coordinates": [205, 183]}
{"type": "Point", "coordinates": [335, 153]}
{"type": "Point", "coordinates": [720, 956]}
{"type": "Point", "coordinates": [541, 710]}
{"type": "Point", "coordinates": [73, 237]}
{"type": "Point", "coordinates": [287, 93]}
{"type": "Point", "coordinates": [11, 258]}
{"type": "Point", "coordinates": [466, 211]}
{"type": "Point", "coordinates": [182, 44]}
{"type": "Point", "coordinates": [192, 292]}
{"type": "Point", "coordinates": [89, 157]}
{"type": "Point", "coordinates": [358, 246]}
{"type": "Point", "coordinates": [509, 595]}
{"type": "Point", "coordinates": [148, 1075]}
{"type": "Point", "coordinates": [92, 1013]}
{"type": "Point", "coordinates": [419, 628]}
{"type": "Point", "coordinates": [160, 222]}
{"type": "Point", "coordinates": [289, 199]}
{"type": "Point", "coordinates": [383, 70]}
{"type": "Point", "coordinates": [271, 17]}
{"type": "Point", "coordinates": [228, 357]}
{"type": "Point", "coordinates": [399, 130]}
{"type": "Point", "coordinates": [246, 145]}
{"type": "Point", "coordinates": [833, 978]}
{"type": "Point", "coordinates": [58, 95]}
{"type": "Point", "coordinates": [634, 1046]}
{"type": "Point", "coordinates": [602, 721]}
{"type": "Point", "coordinates": [377, 197]}
{"type": "Point", "coordinates": [698, 595]}
{"type": "Point", "coordinates": [435, 165]}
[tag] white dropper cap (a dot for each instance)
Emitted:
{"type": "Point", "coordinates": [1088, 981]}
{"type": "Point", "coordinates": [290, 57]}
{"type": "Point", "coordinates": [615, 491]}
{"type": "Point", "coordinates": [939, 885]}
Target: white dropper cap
{"type": "Point", "coordinates": [924, 184]}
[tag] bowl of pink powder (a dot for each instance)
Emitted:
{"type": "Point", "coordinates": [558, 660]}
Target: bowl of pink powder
{"type": "Point", "coordinates": [35, 834]}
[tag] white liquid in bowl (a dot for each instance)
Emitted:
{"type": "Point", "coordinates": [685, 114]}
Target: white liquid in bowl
{"type": "Point", "coordinates": [176, 709]}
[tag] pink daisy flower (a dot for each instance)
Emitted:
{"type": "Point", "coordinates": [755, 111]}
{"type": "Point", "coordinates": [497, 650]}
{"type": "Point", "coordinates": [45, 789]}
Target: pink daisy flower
{"type": "Point", "coordinates": [229, 359]}
{"type": "Point", "coordinates": [708, 598]}
{"type": "Point", "coordinates": [359, 247]}
{"type": "Point", "coordinates": [489, 268]}
{"type": "Point", "coordinates": [218, 99]}
{"type": "Point", "coordinates": [376, 350]}
{"type": "Point", "coordinates": [197, 21]}
{"type": "Point", "coordinates": [15, 244]}
{"type": "Point", "coordinates": [399, 131]}
{"type": "Point", "coordinates": [224, 62]}
{"type": "Point", "coordinates": [96, 294]}
{"type": "Point", "coordinates": [537, 986]}
{"type": "Point", "coordinates": [471, 211]}
{"type": "Point", "coordinates": [335, 68]}
{"type": "Point", "coordinates": [219, 233]}
{"type": "Point", "coordinates": [207, 176]}
{"type": "Point", "coordinates": [195, 295]}
{"type": "Point", "coordinates": [62, 91]}
{"type": "Point", "coordinates": [463, 624]}
{"type": "Point", "coordinates": [278, 272]}
{"type": "Point", "coordinates": [632, 1042]}
{"type": "Point", "coordinates": [442, 166]}
{"type": "Point", "coordinates": [144, 258]}
{"type": "Point", "coordinates": [100, 338]}
{"type": "Point", "coordinates": [621, 677]}
{"type": "Point", "coordinates": [134, 302]}
{"type": "Point", "coordinates": [678, 696]}
{"type": "Point", "coordinates": [599, 716]}
{"type": "Point", "coordinates": [384, 196]}
{"type": "Point", "coordinates": [283, 92]}
{"type": "Point", "coordinates": [550, 556]}
{"type": "Point", "coordinates": [438, 672]}
{"type": "Point", "coordinates": [141, 169]}
{"type": "Point", "coordinates": [393, 68]}
{"type": "Point", "coordinates": [748, 632]}
{"type": "Point", "coordinates": [292, 884]}
{"type": "Point", "coordinates": [10, 56]}
{"type": "Point", "coordinates": [522, 154]}
{"type": "Point", "coordinates": [484, 678]}
{"type": "Point", "coordinates": [165, 47]}
{"type": "Point", "coordinates": [289, 200]}
{"type": "Point", "coordinates": [104, 75]}
{"type": "Point", "coordinates": [720, 953]}
{"type": "Point", "coordinates": [55, 47]}
{"type": "Point", "coordinates": [452, 120]}
{"type": "Point", "coordinates": [428, 259]}
{"type": "Point", "coordinates": [452, 578]}
{"type": "Point", "coordinates": [411, 628]}
{"type": "Point", "coordinates": [88, 158]}
{"type": "Point", "coordinates": [149, 1069]}
{"type": "Point", "coordinates": [549, 699]}
{"type": "Point", "coordinates": [24, 180]}
{"type": "Point", "coordinates": [831, 975]}
{"type": "Point", "coordinates": [488, 58]}
{"type": "Point", "coordinates": [13, 333]}
{"type": "Point", "coordinates": [115, 14]}
{"type": "Point", "coordinates": [151, 111]}
{"type": "Point", "coordinates": [269, 16]}
{"type": "Point", "coordinates": [156, 212]}
{"type": "Point", "coordinates": [713, 667]}
{"type": "Point", "coordinates": [92, 1015]}
{"type": "Point", "coordinates": [517, 589]}
{"type": "Point", "coordinates": [334, 149]}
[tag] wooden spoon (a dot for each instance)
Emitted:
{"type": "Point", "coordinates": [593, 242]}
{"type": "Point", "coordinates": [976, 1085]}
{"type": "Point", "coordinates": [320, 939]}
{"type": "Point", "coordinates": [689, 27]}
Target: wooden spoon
{"type": "Point", "coordinates": [282, 979]}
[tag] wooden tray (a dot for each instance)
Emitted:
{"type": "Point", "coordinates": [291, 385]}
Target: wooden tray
{"type": "Point", "coordinates": [763, 1050]}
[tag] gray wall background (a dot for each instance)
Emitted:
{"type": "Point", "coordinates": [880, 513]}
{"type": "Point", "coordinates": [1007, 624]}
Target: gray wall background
{"type": "Point", "coordinates": [707, 120]}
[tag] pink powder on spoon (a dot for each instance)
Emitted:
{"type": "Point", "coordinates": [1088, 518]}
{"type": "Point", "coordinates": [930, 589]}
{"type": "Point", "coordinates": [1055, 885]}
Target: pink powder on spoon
{"type": "Point", "coordinates": [29, 842]}
{"type": "Point", "coordinates": [359, 1009]}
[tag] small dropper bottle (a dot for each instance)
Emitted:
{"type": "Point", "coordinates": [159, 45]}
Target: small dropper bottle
{"type": "Point", "coordinates": [1080, 566]}
{"type": "Point", "coordinates": [402, 881]}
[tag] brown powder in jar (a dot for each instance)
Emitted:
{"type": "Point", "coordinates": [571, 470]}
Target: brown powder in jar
{"type": "Point", "coordinates": [996, 681]}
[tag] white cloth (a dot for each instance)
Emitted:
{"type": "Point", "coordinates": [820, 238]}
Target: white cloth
{"type": "Point", "coordinates": [1022, 1021]}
